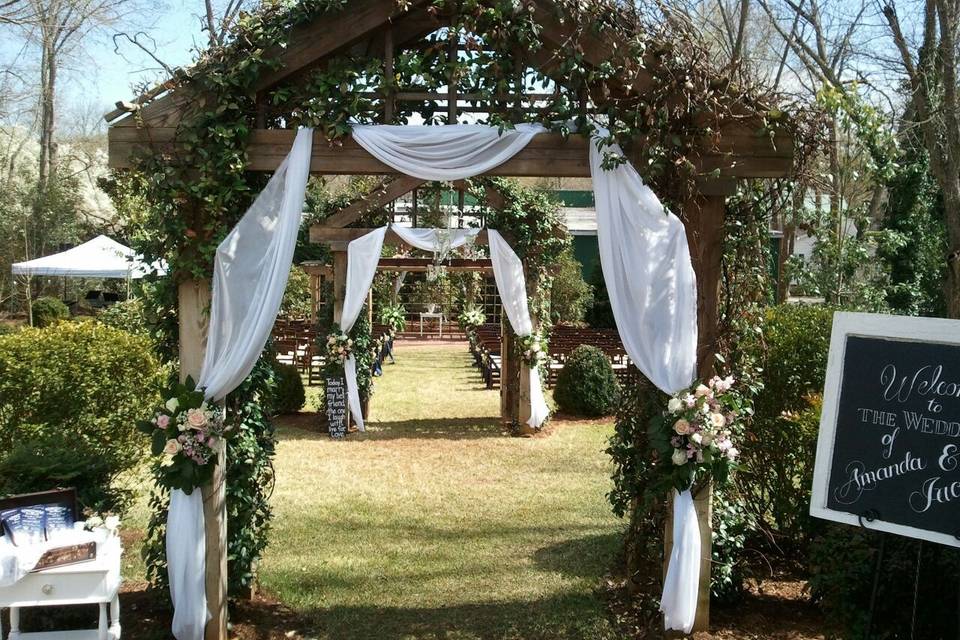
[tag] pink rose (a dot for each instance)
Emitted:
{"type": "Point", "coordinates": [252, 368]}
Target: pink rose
{"type": "Point", "coordinates": [163, 420]}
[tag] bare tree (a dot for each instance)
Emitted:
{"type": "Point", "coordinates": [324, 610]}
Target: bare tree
{"type": "Point", "coordinates": [930, 66]}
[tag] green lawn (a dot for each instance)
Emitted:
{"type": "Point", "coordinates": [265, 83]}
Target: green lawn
{"type": "Point", "coordinates": [435, 524]}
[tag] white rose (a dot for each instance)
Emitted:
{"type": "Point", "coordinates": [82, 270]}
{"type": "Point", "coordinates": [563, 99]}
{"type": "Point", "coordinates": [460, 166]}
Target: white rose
{"type": "Point", "coordinates": [674, 405]}
{"type": "Point", "coordinates": [172, 447]}
{"type": "Point", "coordinates": [717, 420]}
{"type": "Point", "coordinates": [172, 405]}
{"type": "Point", "coordinates": [679, 457]}
{"type": "Point", "coordinates": [696, 438]}
{"type": "Point", "coordinates": [93, 522]}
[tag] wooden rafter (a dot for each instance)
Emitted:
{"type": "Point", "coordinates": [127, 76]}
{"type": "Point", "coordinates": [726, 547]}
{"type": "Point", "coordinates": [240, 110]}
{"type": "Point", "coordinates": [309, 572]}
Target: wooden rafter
{"type": "Point", "coordinates": [337, 236]}
{"type": "Point", "coordinates": [387, 192]}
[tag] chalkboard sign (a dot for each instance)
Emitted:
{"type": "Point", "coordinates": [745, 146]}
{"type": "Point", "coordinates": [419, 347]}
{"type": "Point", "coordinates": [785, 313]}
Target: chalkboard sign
{"type": "Point", "coordinates": [888, 453]}
{"type": "Point", "coordinates": [337, 406]}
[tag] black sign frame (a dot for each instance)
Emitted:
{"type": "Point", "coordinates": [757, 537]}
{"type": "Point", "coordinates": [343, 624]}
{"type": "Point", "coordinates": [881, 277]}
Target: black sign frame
{"type": "Point", "coordinates": [337, 412]}
{"type": "Point", "coordinates": [900, 332]}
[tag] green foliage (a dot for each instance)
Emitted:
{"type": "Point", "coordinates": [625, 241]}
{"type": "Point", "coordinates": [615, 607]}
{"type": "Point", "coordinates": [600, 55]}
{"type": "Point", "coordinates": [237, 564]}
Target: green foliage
{"type": "Point", "coordinates": [290, 395]}
{"type": "Point", "coordinates": [67, 388]}
{"type": "Point", "coordinates": [48, 311]}
{"type": "Point", "coordinates": [791, 349]}
{"type": "Point", "coordinates": [914, 240]}
{"type": "Point", "coordinates": [586, 385]}
{"type": "Point", "coordinates": [296, 297]}
{"type": "Point", "coordinates": [570, 295]}
{"type": "Point", "coordinates": [842, 562]}
{"type": "Point", "coordinates": [127, 315]}
{"type": "Point", "coordinates": [600, 313]}
{"type": "Point", "coordinates": [394, 316]}
{"type": "Point", "coordinates": [47, 461]}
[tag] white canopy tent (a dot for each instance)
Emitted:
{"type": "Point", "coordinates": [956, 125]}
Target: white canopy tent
{"type": "Point", "coordinates": [101, 257]}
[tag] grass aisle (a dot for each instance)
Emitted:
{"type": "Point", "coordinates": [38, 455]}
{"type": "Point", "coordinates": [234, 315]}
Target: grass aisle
{"type": "Point", "coordinates": [434, 524]}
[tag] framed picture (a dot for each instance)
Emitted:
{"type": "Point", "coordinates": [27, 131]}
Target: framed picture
{"type": "Point", "coordinates": [888, 451]}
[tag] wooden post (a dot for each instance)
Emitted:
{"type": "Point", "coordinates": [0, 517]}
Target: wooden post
{"type": "Point", "coordinates": [339, 291]}
{"type": "Point", "coordinates": [523, 390]}
{"type": "Point", "coordinates": [704, 220]}
{"type": "Point", "coordinates": [508, 373]}
{"type": "Point", "coordinates": [193, 301]}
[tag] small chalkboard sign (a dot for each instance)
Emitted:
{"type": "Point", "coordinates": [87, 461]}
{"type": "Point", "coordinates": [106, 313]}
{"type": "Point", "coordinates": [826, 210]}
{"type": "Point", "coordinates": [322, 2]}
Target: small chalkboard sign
{"type": "Point", "coordinates": [888, 452]}
{"type": "Point", "coordinates": [337, 406]}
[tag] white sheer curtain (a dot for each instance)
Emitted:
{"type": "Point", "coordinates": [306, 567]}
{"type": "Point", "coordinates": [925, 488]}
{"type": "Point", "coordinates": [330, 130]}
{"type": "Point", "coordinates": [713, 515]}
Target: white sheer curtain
{"type": "Point", "coordinates": [250, 273]}
{"type": "Point", "coordinates": [448, 152]}
{"type": "Point", "coordinates": [653, 292]}
{"type": "Point", "coordinates": [363, 254]}
{"type": "Point", "coordinates": [512, 286]}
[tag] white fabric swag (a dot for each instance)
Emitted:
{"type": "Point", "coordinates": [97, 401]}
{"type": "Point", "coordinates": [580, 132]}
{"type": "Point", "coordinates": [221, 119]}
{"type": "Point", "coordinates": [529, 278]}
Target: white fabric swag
{"type": "Point", "coordinates": [645, 262]}
{"type": "Point", "coordinates": [250, 274]}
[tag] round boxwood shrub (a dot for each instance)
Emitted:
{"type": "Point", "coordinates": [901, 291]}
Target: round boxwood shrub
{"type": "Point", "coordinates": [70, 396]}
{"type": "Point", "coordinates": [289, 395]}
{"type": "Point", "coordinates": [587, 385]}
{"type": "Point", "coordinates": [48, 311]}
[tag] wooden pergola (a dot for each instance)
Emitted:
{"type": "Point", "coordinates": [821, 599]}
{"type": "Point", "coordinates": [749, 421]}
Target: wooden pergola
{"type": "Point", "coordinates": [379, 28]}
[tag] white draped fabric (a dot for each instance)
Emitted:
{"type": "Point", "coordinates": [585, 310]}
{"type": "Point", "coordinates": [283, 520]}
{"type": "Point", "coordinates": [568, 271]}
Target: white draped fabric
{"type": "Point", "coordinates": [653, 293]}
{"type": "Point", "coordinates": [432, 239]}
{"type": "Point", "coordinates": [363, 254]}
{"type": "Point", "coordinates": [250, 274]}
{"type": "Point", "coordinates": [450, 152]}
{"type": "Point", "coordinates": [644, 257]}
{"type": "Point", "coordinates": [681, 586]}
{"type": "Point", "coordinates": [512, 287]}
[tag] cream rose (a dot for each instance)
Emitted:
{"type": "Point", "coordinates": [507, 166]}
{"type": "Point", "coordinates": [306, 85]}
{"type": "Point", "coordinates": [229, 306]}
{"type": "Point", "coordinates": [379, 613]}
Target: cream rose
{"type": "Point", "coordinates": [674, 405]}
{"type": "Point", "coordinates": [717, 420]}
{"type": "Point", "coordinates": [172, 448]}
{"type": "Point", "coordinates": [172, 405]}
{"type": "Point", "coordinates": [702, 390]}
{"type": "Point", "coordinates": [679, 457]}
{"type": "Point", "coordinates": [197, 418]}
{"type": "Point", "coordinates": [682, 427]}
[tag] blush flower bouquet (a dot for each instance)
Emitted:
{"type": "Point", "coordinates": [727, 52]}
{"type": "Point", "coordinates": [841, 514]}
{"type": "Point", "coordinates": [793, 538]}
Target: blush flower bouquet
{"type": "Point", "coordinates": [694, 437]}
{"type": "Point", "coordinates": [186, 430]}
{"type": "Point", "coordinates": [339, 346]}
{"type": "Point", "coordinates": [532, 349]}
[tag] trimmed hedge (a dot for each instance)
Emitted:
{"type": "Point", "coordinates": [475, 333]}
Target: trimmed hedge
{"type": "Point", "coordinates": [289, 394]}
{"type": "Point", "coordinates": [587, 385]}
{"type": "Point", "coordinates": [48, 311]}
{"type": "Point", "coordinates": [70, 395]}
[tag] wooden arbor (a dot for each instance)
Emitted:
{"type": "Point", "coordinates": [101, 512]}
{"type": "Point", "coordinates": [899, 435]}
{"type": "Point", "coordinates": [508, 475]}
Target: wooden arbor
{"type": "Point", "coordinates": [380, 29]}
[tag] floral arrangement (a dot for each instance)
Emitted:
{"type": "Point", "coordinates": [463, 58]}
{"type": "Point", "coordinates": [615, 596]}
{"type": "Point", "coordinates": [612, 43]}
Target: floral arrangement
{"type": "Point", "coordinates": [187, 431]}
{"type": "Point", "coordinates": [109, 523]}
{"type": "Point", "coordinates": [339, 347]}
{"type": "Point", "coordinates": [694, 437]}
{"type": "Point", "coordinates": [471, 317]}
{"type": "Point", "coordinates": [532, 349]}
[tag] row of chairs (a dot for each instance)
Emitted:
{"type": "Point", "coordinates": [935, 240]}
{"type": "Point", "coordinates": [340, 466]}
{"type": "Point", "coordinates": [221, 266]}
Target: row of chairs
{"type": "Point", "coordinates": [295, 342]}
{"type": "Point", "coordinates": [485, 346]}
{"type": "Point", "coordinates": [564, 339]}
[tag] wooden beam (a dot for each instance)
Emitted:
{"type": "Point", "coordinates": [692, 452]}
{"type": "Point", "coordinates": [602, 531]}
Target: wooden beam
{"type": "Point", "coordinates": [547, 155]}
{"type": "Point", "coordinates": [481, 265]}
{"type": "Point", "coordinates": [387, 192]}
{"type": "Point", "coordinates": [311, 42]}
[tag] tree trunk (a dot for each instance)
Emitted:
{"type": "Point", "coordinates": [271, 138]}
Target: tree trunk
{"type": "Point", "coordinates": [951, 209]}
